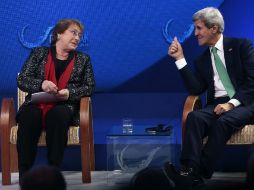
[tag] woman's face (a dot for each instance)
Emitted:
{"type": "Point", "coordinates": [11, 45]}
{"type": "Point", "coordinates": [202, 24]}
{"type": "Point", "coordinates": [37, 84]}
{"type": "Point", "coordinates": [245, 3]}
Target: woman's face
{"type": "Point", "coordinates": [70, 38]}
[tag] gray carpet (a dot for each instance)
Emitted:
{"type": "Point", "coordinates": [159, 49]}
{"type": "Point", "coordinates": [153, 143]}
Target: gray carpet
{"type": "Point", "coordinates": [102, 180]}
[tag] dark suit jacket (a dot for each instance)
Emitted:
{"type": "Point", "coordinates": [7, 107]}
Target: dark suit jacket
{"type": "Point", "coordinates": [239, 58]}
{"type": "Point", "coordinates": [81, 82]}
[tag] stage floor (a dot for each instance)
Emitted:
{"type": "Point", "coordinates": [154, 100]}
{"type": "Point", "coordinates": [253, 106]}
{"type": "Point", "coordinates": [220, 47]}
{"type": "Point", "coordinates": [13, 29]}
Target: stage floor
{"type": "Point", "coordinates": [220, 181]}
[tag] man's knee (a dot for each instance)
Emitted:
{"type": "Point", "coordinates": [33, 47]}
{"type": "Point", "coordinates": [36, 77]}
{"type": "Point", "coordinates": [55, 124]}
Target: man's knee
{"type": "Point", "coordinates": [194, 116]}
{"type": "Point", "coordinates": [222, 120]}
{"type": "Point", "coordinates": [223, 128]}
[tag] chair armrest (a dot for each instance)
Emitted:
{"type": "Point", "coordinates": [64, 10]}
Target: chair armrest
{"type": "Point", "coordinates": [85, 124]}
{"type": "Point", "coordinates": [86, 139]}
{"type": "Point", "coordinates": [191, 103]}
{"type": "Point", "coordinates": [8, 117]}
{"type": "Point", "coordinates": [85, 111]}
{"type": "Point", "coordinates": [7, 120]}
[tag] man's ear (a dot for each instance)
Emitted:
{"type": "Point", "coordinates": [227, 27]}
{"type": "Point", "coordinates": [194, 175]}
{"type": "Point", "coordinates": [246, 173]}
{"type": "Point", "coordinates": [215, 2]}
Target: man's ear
{"type": "Point", "coordinates": [215, 29]}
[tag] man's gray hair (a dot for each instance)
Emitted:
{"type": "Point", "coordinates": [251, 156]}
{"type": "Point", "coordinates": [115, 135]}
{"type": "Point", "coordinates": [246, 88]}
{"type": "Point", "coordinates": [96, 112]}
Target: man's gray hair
{"type": "Point", "coordinates": [210, 16]}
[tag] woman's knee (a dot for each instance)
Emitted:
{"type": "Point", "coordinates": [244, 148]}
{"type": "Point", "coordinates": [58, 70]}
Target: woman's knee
{"type": "Point", "coordinates": [58, 115]}
{"type": "Point", "coordinates": [59, 112]}
{"type": "Point", "coordinates": [29, 116]}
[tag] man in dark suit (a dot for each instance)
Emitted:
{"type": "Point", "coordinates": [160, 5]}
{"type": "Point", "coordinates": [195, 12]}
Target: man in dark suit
{"type": "Point", "coordinates": [225, 71]}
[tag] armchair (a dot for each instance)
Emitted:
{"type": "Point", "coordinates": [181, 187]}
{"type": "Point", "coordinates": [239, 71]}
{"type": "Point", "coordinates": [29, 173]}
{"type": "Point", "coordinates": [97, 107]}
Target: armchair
{"type": "Point", "coordinates": [244, 136]}
{"type": "Point", "coordinates": [77, 135]}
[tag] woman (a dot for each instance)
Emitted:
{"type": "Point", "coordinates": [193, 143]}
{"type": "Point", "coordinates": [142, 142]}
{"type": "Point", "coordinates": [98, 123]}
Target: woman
{"type": "Point", "coordinates": [58, 70]}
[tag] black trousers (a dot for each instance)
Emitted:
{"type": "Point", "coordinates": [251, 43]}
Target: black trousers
{"type": "Point", "coordinates": [218, 128]}
{"type": "Point", "coordinates": [57, 122]}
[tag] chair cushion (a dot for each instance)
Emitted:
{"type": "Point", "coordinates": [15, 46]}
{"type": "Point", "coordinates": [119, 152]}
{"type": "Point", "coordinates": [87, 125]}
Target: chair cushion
{"type": "Point", "coordinates": [244, 136]}
{"type": "Point", "coordinates": [73, 136]}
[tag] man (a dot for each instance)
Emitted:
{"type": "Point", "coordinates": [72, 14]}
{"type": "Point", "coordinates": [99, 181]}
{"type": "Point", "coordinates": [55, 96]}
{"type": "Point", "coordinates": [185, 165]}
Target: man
{"type": "Point", "coordinates": [225, 71]}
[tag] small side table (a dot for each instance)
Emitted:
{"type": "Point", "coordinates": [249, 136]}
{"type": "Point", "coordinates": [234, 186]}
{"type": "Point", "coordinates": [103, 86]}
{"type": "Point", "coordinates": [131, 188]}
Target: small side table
{"type": "Point", "coordinates": [129, 153]}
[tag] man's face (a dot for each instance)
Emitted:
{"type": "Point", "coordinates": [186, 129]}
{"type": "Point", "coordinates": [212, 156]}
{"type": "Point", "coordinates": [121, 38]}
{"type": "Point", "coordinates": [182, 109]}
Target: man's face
{"type": "Point", "coordinates": [205, 36]}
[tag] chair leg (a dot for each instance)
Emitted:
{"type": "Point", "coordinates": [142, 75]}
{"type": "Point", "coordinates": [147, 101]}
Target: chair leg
{"type": "Point", "coordinates": [7, 120]}
{"type": "Point", "coordinates": [14, 158]}
{"type": "Point", "coordinates": [5, 157]}
{"type": "Point", "coordinates": [85, 141]}
{"type": "Point", "coordinates": [85, 162]}
{"type": "Point", "coordinates": [91, 149]}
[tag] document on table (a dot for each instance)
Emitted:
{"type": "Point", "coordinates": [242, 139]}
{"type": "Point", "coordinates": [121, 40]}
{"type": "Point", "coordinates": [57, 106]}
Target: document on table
{"type": "Point", "coordinates": [44, 97]}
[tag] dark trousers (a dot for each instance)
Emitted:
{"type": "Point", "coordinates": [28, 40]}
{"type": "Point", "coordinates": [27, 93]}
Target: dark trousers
{"type": "Point", "coordinates": [218, 129]}
{"type": "Point", "coordinates": [57, 122]}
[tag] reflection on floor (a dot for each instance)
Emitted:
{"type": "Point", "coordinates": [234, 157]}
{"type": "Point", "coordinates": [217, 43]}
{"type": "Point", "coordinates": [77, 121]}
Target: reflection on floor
{"type": "Point", "coordinates": [220, 181]}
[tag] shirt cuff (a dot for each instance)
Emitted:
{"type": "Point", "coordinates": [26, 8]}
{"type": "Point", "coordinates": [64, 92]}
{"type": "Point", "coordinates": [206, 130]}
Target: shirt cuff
{"type": "Point", "coordinates": [180, 63]}
{"type": "Point", "coordinates": [235, 102]}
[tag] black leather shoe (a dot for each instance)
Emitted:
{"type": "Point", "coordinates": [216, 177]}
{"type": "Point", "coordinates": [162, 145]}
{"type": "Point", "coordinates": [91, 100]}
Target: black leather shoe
{"type": "Point", "coordinates": [185, 179]}
{"type": "Point", "coordinates": [170, 170]}
{"type": "Point", "coordinates": [189, 179]}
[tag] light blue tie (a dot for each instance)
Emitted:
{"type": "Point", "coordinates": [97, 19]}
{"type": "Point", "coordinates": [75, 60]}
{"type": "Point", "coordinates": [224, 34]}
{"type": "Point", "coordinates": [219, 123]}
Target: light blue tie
{"type": "Point", "coordinates": [223, 74]}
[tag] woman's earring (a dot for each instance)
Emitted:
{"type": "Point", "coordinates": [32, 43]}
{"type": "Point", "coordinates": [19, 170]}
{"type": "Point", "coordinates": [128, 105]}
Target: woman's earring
{"type": "Point", "coordinates": [58, 36]}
